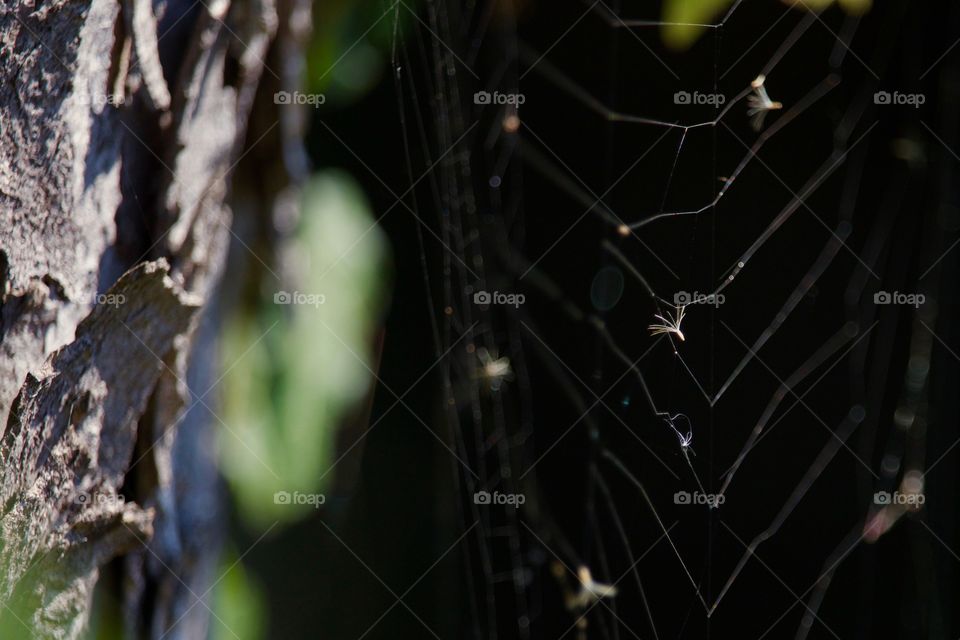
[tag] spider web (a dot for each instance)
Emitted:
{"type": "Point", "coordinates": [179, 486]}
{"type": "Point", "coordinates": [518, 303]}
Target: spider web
{"type": "Point", "coordinates": [607, 204]}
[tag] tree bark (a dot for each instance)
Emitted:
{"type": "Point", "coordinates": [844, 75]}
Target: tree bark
{"type": "Point", "coordinates": [121, 124]}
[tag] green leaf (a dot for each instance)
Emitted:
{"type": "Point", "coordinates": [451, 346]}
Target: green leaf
{"type": "Point", "coordinates": [238, 603]}
{"type": "Point", "coordinates": [286, 389]}
{"type": "Point", "coordinates": [686, 14]}
{"type": "Point", "coordinates": [689, 13]}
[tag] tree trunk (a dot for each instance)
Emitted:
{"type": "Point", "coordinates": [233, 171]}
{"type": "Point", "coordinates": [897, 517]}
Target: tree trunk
{"type": "Point", "coordinates": [121, 124]}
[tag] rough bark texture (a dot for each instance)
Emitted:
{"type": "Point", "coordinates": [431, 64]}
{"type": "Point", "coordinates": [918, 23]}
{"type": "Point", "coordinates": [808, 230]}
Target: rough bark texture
{"type": "Point", "coordinates": [121, 123]}
{"type": "Point", "coordinates": [66, 449]}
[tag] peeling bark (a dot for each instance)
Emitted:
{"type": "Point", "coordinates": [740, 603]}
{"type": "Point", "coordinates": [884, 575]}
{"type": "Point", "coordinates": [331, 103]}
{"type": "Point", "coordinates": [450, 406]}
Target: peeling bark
{"type": "Point", "coordinates": [122, 123]}
{"type": "Point", "coordinates": [66, 448]}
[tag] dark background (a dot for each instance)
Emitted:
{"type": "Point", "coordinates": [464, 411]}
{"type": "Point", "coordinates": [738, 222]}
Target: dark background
{"type": "Point", "coordinates": [412, 500]}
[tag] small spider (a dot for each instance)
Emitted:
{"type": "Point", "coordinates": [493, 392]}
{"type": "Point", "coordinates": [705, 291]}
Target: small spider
{"type": "Point", "coordinates": [760, 103]}
{"type": "Point", "coordinates": [669, 325]}
{"type": "Point", "coordinates": [686, 439]}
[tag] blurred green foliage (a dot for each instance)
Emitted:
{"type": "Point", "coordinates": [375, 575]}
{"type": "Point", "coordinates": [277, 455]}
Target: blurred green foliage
{"type": "Point", "coordinates": [693, 12]}
{"type": "Point", "coordinates": [285, 396]}
{"type": "Point", "coordinates": [237, 602]}
{"type": "Point", "coordinates": [350, 47]}
{"type": "Point", "coordinates": [286, 389]}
